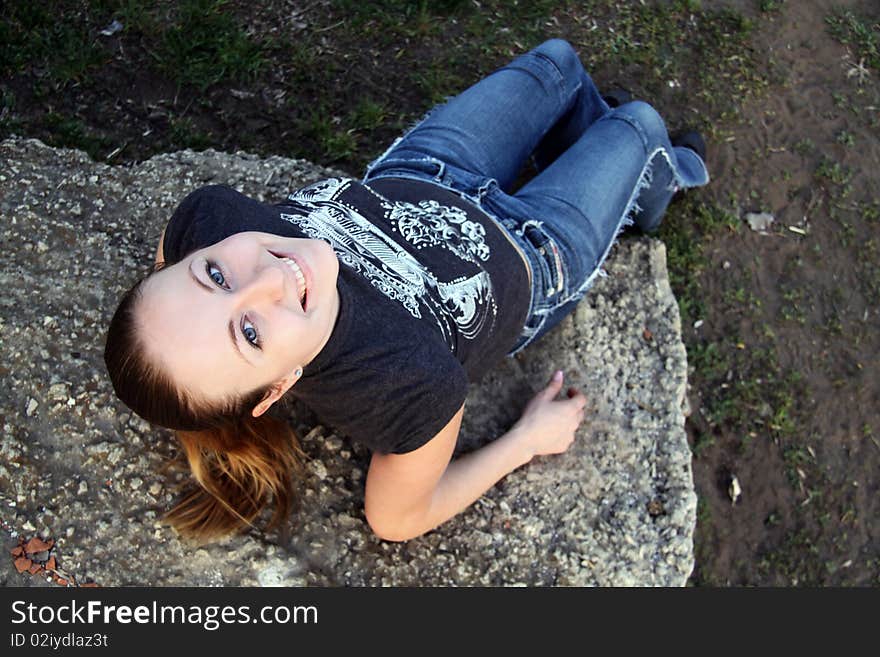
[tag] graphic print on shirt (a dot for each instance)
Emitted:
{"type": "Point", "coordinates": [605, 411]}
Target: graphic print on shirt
{"type": "Point", "coordinates": [464, 303]}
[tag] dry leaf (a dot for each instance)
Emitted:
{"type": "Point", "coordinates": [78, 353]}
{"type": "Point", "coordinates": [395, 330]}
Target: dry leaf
{"type": "Point", "coordinates": [60, 581]}
{"type": "Point", "coordinates": [648, 335]}
{"type": "Point", "coordinates": [22, 564]}
{"type": "Point", "coordinates": [18, 551]}
{"type": "Point", "coordinates": [50, 565]}
{"type": "Point", "coordinates": [35, 568]}
{"type": "Point", "coordinates": [90, 585]}
{"type": "Point", "coordinates": [37, 545]}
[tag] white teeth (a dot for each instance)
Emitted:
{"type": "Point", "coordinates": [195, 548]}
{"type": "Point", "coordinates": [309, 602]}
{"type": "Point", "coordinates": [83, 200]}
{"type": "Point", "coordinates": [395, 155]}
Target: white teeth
{"type": "Point", "coordinates": [300, 278]}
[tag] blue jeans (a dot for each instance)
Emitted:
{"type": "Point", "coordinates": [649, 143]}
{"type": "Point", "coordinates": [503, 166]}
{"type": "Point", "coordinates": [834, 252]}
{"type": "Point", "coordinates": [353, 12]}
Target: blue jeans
{"type": "Point", "coordinates": [599, 169]}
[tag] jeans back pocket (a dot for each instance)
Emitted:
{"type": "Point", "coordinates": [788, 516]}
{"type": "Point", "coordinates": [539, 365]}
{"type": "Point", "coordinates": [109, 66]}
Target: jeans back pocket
{"type": "Point", "coordinates": [550, 256]}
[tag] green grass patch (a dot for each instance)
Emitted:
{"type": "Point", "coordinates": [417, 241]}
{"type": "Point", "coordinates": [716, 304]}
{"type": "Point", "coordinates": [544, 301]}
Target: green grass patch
{"type": "Point", "coordinates": [185, 134]}
{"type": "Point", "coordinates": [329, 133]}
{"type": "Point", "coordinates": [684, 231]}
{"type": "Point", "coordinates": [41, 37]}
{"type": "Point", "coordinates": [793, 309]}
{"type": "Point", "coordinates": [657, 46]}
{"type": "Point", "coordinates": [833, 172]}
{"type": "Point", "coordinates": [770, 6]}
{"type": "Point", "coordinates": [859, 33]}
{"type": "Point", "coordinates": [796, 562]}
{"type": "Point", "coordinates": [868, 262]}
{"type": "Point", "coordinates": [745, 389]}
{"type": "Point", "coordinates": [72, 133]}
{"type": "Point", "coordinates": [204, 45]}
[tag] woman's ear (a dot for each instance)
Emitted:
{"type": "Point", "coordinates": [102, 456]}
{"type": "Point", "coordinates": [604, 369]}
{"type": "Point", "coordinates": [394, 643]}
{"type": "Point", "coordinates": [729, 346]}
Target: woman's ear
{"type": "Point", "coordinates": [276, 391]}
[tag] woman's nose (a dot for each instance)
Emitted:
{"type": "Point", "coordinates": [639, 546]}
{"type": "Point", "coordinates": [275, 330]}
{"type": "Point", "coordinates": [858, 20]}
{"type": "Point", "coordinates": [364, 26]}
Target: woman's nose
{"type": "Point", "coordinates": [267, 284]}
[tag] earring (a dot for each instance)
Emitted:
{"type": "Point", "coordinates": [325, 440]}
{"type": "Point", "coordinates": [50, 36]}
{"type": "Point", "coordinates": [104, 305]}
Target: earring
{"type": "Point", "coordinates": [298, 372]}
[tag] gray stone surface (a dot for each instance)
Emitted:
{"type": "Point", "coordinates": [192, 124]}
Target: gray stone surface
{"type": "Point", "coordinates": [617, 509]}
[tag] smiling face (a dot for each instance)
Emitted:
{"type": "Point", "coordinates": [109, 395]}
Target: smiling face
{"type": "Point", "coordinates": [241, 314]}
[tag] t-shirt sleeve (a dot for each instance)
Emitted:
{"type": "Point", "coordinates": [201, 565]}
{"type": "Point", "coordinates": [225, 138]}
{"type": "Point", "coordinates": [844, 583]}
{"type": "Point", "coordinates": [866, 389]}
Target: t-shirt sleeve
{"type": "Point", "coordinates": [189, 227]}
{"type": "Point", "coordinates": [213, 213]}
{"type": "Point", "coordinates": [419, 403]}
{"type": "Point", "coordinates": [392, 405]}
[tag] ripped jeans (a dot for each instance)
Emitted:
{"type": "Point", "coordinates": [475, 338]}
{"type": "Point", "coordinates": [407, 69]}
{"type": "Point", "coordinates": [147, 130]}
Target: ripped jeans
{"type": "Point", "coordinates": [599, 169]}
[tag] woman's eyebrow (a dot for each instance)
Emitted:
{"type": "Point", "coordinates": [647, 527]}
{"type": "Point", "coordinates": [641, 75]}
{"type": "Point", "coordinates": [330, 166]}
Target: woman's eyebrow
{"type": "Point", "coordinates": [196, 279]}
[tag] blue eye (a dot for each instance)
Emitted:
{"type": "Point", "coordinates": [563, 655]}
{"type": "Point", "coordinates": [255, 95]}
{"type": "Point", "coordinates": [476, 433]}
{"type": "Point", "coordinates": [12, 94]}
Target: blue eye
{"type": "Point", "coordinates": [215, 274]}
{"type": "Point", "coordinates": [250, 334]}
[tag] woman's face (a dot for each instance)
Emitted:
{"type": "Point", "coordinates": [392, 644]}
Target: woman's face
{"type": "Point", "coordinates": [241, 314]}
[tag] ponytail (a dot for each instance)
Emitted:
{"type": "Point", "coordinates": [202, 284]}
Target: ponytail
{"type": "Point", "coordinates": [238, 469]}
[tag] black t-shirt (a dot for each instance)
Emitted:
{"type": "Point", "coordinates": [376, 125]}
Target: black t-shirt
{"type": "Point", "coordinates": [432, 294]}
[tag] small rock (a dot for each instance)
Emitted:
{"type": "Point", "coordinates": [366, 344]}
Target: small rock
{"type": "Point", "coordinates": [318, 468]}
{"type": "Point", "coordinates": [31, 407]}
{"type": "Point", "coordinates": [58, 391]}
{"type": "Point", "coordinates": [112, 28]}
{"type": "Point", "coordinates": [734, 490]}
{"type": "Point", "coordinates": [332, 443]}
{"type": "Point", "coordinates": [759, 221]}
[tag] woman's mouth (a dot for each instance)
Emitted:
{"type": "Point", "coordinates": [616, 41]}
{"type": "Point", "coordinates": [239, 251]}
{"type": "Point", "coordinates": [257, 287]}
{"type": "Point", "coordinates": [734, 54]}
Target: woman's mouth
{"type": "Point", "coordinates": [298, 274]}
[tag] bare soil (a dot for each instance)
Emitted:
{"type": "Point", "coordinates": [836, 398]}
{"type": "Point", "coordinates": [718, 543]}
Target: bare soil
{"type": "Point", "coordinates": [810, 506]}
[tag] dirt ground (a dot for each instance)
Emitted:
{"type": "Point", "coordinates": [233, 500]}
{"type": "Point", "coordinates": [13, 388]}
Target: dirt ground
{"type": "Point", "coordinates": [780, 324]}
{"type": "Point", "coordinates": [810, 152]}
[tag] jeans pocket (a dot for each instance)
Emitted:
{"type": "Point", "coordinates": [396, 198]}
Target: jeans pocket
{"type": "Point", "coordinates": [549, 252]}
{"type": "Point", "coordinates": [425, 168]}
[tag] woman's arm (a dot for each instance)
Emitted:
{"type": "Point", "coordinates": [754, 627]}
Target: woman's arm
{"type": "Point", "coordinates": [410, 494]}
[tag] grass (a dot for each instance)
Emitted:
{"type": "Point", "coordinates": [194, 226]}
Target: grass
{"type": "Point", "coordinates": [185, 132]}
{"type": "Point", "coordinates": [438, 48]}
{"type": "Point", "coordinates": [796, 562]}
{"type": "Point", "coordinates": [857, 32]}
{"type": "Point", "coordinates": [59, 52]}
{"type": "Point", "coordinates": [205, 45]}
{"type": "Point", "coordinates": [868, 261]}
{"type": "Point", "coordinates": [335, 144]}
{"type": "Point", "coordinates": [744, 387]}
{"type": "Point", "coordinates": [758, 398]}
{"type": "Point", "coordinates": [65, 131]}
{"type": "Point", "coordinates": [684, 231]}
{"type": "Point", "coordinates": [793, 309]}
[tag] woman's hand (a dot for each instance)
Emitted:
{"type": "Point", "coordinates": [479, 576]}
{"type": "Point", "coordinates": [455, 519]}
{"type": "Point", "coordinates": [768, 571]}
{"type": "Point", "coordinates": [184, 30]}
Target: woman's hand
{"type": "Point", "coordinates": [548, 425]}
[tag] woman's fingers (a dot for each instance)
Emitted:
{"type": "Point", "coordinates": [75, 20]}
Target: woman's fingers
{"type": "Point", "coordinates": [554, 386]}
{"type": "Point", "coordinates": [577, 397]}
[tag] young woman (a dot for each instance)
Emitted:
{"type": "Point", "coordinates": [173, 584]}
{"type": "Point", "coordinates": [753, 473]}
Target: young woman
{"type": "Point", "coordinates": [376, 302]}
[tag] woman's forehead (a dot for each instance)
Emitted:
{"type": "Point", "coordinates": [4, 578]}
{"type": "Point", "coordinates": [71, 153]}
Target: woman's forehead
{"type": "Point", "coordinates": [183, 325]}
